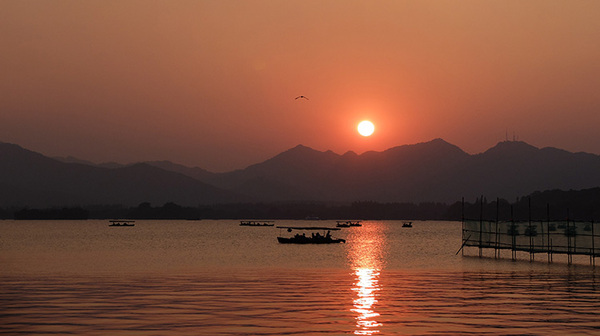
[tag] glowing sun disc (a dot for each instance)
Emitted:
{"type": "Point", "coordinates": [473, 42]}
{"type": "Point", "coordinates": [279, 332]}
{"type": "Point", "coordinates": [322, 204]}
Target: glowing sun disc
{"type": "Point", "coordinates": [366, 128]}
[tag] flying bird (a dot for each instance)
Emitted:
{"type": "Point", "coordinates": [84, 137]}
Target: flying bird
{"type": "Point", "coordinates": [301, 97]}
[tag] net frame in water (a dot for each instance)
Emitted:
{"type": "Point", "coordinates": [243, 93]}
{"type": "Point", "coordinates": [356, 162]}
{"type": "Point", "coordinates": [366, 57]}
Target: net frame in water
{"type": "Point", "coordinates": [548, 236]}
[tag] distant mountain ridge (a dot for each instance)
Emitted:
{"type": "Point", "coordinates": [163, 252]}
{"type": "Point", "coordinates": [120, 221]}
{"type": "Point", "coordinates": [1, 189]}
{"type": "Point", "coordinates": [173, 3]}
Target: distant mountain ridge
{"type": "Point", "coordinates": [434, 171]}
{"type": "Point", "coordinates": [31, 179]}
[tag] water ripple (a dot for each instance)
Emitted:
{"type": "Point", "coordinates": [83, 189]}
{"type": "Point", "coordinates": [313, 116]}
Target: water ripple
{"type": "Point", "coordinates": [286, 302]}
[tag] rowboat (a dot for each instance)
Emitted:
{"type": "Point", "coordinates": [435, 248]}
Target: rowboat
{"type": "Point", "coordinates": [348, 223]}
{"type": "Point", "coordinates": [121, 223]}
{"type": "Point", "coordinates": [256, 223]}
{"type": "Point", "coordinates": [315, 237]}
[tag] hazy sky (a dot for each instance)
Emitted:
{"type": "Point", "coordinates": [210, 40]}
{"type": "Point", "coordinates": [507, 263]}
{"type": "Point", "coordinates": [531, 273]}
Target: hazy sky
{"type": "Point", "coordinates": [212, 83]}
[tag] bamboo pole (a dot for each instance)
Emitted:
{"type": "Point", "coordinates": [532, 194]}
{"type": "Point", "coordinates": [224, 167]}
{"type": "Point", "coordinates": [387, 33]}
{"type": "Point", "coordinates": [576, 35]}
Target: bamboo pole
{"type": "Point", "coordinates": [531, 252]}
{"type": "Point", "coordinates": [548, 240]}
{"type": "Point", "coordinates": [496, 251]}
{"type": "Point", "coordinates": [593, 246]}
{"type": "Point", "coordinates": [513, 235]}
{"type": "Point", "coordinates": [463, 224]}
{"type": "Point", "coordinates": [481, 226]}
{"type": "Point", "coordinates": [569, 256]}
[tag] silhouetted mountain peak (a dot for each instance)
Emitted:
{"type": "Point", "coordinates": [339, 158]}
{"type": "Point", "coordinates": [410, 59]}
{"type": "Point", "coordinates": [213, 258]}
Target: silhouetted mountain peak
{"type": "Point", "coordinates": [12, 149]}
{"type": "Point", "coordinates": [433, 146]}
{"type": "Point", "coordinates": [429, 171]}
{"type": "Point", "coordinates": [301, 152]}
{"type": "Point", "coordinates": [434, 150]}
{"type": "Point", "coordinates": [512, 149]}
{"type": "Point", "coordinates": [33, 179]}
{"type": "Point", "coordinates": [300, 149]}
{"type": "Point", "coordinates": [12, 154]}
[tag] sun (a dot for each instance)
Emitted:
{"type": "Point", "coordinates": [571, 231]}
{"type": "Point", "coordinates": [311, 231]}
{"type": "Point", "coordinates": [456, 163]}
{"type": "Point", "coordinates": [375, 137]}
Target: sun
{"type": "Point", "coordinates": [366, 128]}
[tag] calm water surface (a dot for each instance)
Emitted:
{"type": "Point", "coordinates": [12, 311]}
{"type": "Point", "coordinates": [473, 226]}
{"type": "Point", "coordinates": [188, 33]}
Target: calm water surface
{"type": "Point", "coordinates": [218, 278]}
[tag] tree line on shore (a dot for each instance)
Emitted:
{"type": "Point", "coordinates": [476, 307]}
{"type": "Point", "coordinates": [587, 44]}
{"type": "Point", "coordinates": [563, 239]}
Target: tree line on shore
{"type": "Point", "coordinates": [555, 205]}
{"type": "Point", "coordinates": [284, 210]}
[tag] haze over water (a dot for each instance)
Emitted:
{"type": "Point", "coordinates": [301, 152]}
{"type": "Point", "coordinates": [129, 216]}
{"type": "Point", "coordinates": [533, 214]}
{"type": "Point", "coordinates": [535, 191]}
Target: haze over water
{"type": "Point", "coordinates": [217, 278]}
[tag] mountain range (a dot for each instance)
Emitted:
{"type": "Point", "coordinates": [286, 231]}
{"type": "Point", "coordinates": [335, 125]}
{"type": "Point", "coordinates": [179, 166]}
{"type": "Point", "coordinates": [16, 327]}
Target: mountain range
{"type": "Point", "coordinates": [434, 171]}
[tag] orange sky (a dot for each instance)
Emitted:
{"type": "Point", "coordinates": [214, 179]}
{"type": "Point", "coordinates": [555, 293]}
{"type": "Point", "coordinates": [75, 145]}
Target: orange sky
{"type": "Point", "coordinates": [212, 83]}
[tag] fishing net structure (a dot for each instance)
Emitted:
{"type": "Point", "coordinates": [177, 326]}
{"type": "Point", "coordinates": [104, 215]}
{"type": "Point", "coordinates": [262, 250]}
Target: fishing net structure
{"type": "Point", "coordinates": [534, 236]}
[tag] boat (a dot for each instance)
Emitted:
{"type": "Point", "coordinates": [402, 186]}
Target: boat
{"type": "Point", "coordinates": [407, 224]}
{"type": "Point", "coordinates": [117, 222]}
{"type": "Point", "coordinates": [347, 223]}
{"type": "Point", "coordinates": [314, 238]}
{"type": "Point", "coordinates": [257, 223]}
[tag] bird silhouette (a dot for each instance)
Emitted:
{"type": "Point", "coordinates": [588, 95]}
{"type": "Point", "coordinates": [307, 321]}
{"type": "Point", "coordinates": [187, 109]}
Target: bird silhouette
{"type": "Point", "coordinates": [301, 97]}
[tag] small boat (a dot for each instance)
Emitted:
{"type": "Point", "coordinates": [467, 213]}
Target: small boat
{"type": "Point", "coordinates": [407, 224]}
{"type": "Point", "coordinates": [314, 238]}
{"type": "Point", "coordinates": [256, 223]}
{"type": "Point", "coordinates": [345, 224]}
{"type": "Point", "coordinates": [121, 223]}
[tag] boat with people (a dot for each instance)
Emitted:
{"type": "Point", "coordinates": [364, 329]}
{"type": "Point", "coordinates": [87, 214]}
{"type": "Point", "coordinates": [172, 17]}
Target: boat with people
{"type": "Point", "coordinates": [257, 223]}
{"type": "Point", "coordinates": [315, 237]}
{"type": "Point", "coordinates": [117, 222]}
{"type": "Point", "coordinates": [348, 223]}
{"type": "Point", "coordinates": [407, 224]}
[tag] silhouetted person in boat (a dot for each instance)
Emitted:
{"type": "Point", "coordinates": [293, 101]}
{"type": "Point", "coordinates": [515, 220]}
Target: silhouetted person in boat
{"type": "Point", "coordinates": [328, 235]}
{"type": "Point", "coordinates": [301, 97]}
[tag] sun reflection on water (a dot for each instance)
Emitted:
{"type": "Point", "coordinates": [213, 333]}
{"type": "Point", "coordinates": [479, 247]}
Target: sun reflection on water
{"type": "Point", "coordinates": [366, 289]}
{"type": "Point", "coordinates": [366, 257]}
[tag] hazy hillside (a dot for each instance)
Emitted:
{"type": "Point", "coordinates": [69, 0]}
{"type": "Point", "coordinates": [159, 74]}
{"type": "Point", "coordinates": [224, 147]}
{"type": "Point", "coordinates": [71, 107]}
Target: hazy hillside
{"type": "Point", "coordinates": [194, 172]}
{"type": "Point", "coordinates": [31, 179]}
{"type": "Point", "coordinates": [434, 171]}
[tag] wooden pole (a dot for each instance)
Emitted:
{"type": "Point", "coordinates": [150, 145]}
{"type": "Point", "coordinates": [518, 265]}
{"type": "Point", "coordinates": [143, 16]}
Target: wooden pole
{"type": "Point", "coordinates": [463, 223]}
{"type": "Point", "coordinates": [481, 227]}
{"type": "Point", "coordinates": [569, 257]}
{"type": "Point", "coordinates": [496, 252]}
{"type": "Point", "coordinates": [593, 246]}
{"type": "Point", "coordinates": [531, 252]}
{"type": "Point", "coordinates": [548, 239]}
{"type": "Point", "coordinates": [513, 234]}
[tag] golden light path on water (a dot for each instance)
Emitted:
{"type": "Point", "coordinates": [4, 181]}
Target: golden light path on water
{"type": "Point", "coordinates": [366, 288]}
{"type": "Point", "coordinates": [366, 258]}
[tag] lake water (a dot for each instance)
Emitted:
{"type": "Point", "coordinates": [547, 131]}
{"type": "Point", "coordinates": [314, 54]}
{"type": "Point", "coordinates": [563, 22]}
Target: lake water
{"type": "Point", "coordinates": [219, 278]}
